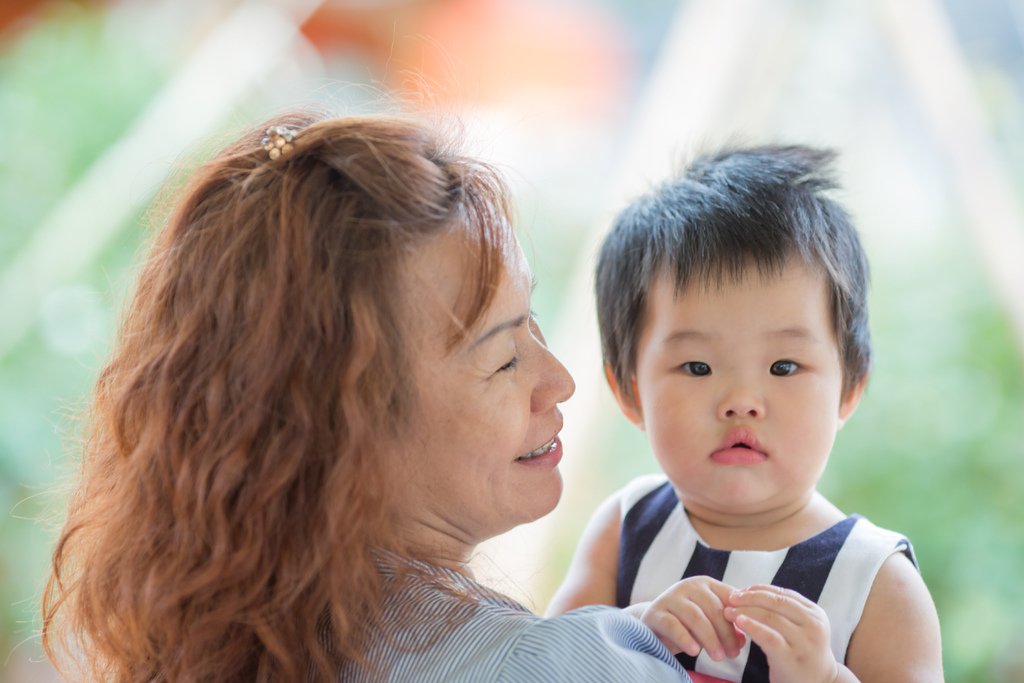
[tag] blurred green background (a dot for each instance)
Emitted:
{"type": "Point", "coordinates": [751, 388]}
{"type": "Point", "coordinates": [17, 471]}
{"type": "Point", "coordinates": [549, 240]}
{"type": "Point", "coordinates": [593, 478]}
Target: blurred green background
{"type": "Point", "coordinates": [580, 103]}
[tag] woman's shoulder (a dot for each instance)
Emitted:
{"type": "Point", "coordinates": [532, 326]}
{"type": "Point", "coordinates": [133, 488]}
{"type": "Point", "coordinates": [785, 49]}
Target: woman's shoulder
{"type": "Point", "coordinates": [596, 643]}
{"type": "Point", "coordinates": [430, 632]}
{"type": "Point", "coordinates": [490, 640]}
{"type": "Point", "coordinates": [435, 634]}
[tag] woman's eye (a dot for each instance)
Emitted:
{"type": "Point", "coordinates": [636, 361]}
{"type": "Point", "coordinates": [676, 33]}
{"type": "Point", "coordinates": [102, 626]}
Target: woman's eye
{"type": "Point", "coordinates": [783, 368]}
{"type": "Point", "coordinates": [695, 368]}
{"type": "Point", "coordinates": [509, 365]}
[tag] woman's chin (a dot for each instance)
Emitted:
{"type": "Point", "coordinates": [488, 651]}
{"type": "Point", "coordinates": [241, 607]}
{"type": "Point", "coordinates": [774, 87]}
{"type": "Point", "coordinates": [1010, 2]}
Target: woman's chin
{"type": "Point", "coordinates": [545, 498]}
{"type": "Point", "coordinates": [534, 502]}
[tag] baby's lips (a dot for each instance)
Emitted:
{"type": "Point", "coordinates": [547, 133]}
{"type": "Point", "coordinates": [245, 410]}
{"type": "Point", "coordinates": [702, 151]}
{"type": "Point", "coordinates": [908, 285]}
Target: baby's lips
{"type": "Point", "coordinates": [740, 436]}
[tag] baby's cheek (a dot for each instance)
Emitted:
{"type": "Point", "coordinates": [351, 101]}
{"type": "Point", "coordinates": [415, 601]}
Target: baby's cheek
{"type": "Point", "coordinates": [674, 448]}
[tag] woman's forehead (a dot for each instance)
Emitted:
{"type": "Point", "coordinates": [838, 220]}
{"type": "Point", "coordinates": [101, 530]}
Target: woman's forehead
{"type": "Point", "coordinates": [443, 278]}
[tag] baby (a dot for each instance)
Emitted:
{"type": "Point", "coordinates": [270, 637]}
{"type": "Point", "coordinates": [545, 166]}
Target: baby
{"type": "Point", "coordinates": [733, 315]}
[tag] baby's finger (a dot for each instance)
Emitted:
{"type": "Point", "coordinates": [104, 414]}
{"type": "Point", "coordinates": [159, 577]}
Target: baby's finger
{"type": "Point", "coordinates": [803, 652]}
{"type": "Point", "coordinates": [767, 589]}
{"type": "Point", "coordinates": [731, 639]}
{"type": "Point", "coordinates": [767, 637]}
{"type": "Point", "coordinates": [696, 617]}
{"type": "Point", "coordinates": [773, 619]}
{"type": "Point", "coordinates": [711, 599]}
{"type": "Point", "coordinates": [811, 637]}
{"type": "Point", "coordinates": [672, 633]}
{"type": "Point", "coordinates": [794, 606]}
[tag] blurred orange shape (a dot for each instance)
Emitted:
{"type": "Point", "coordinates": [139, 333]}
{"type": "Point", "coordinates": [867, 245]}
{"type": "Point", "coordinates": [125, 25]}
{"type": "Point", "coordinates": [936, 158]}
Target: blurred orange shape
{"type": "Point", "coordinates": [467, 52]}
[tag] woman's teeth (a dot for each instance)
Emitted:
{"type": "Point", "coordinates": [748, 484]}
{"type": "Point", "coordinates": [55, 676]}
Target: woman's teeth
{"type": "Point", "coordinates": [546, 448]}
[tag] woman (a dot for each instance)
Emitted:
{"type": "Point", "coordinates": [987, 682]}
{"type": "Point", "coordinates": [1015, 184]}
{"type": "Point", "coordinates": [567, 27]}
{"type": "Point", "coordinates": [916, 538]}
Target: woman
{"type": "Point", "coordinates": [326, 392]}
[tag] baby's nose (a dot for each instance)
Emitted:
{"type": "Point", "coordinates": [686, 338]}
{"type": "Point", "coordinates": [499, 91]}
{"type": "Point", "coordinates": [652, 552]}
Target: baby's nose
{"type": "Point", "coordinates": [740, 404]}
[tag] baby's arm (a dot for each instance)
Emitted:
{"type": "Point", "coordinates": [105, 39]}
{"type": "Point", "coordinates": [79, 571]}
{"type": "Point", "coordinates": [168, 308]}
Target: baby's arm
{"type": "Point", "coordinates": [687, 616]}
{"type": "Point", "coordinates": [591, 577]}
{"type": "Point", "coordinates": [898, 636]}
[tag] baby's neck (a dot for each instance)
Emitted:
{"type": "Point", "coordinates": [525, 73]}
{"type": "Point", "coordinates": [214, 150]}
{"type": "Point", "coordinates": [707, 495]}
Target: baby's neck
{"type": "Point", "coordinates": [769, 530]}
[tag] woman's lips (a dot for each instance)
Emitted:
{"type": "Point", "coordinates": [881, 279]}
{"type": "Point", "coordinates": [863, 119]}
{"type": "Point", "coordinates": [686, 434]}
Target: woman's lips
{"type": "Point", "coordinates": [548, 455]}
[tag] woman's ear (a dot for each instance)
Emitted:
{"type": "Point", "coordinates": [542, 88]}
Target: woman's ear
{"type": "Point", "coordinates": [851, 400]}
{"type": "Point", "coordinates": [629, 405]}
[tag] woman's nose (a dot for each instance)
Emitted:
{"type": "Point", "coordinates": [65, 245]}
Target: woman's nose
{"type": "Point", "coordinates": [741, 403]}
{"type": "Point", "coordinates": [555, 386]}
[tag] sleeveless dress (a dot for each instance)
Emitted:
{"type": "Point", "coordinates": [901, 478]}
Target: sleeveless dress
{"type": "Point", "coordinates": [834, 568]}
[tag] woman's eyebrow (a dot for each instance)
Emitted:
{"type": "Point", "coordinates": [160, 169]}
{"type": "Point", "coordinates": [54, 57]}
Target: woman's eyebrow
{"type": "Point", "coordinates": [497, 329]}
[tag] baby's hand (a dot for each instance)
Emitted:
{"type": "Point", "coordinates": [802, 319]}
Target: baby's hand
{"type": "Point", "coordinates": [792, 631]}
{"type": "Point", "coordinates": [691, 615]}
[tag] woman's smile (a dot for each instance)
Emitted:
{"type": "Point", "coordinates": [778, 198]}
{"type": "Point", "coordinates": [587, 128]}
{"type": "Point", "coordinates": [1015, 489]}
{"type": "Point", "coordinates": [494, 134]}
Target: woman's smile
{"type": "Point", "coordinates": [537, 457]}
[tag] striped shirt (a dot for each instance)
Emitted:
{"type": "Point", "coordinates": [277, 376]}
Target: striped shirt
{"type": "Point", "coordinates": [834, 568]}
{"type": "Point", "coordinates": [443, 626]}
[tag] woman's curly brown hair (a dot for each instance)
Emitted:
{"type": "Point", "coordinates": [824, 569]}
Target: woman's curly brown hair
{"type": "Point", "coordinates": [233, 494]}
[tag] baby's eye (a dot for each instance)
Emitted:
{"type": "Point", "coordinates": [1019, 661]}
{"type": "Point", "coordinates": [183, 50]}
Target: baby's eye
{"type": "Point", "coordinates": [696, 368]}
{"type": "Point", "coordinates": [783, 368]}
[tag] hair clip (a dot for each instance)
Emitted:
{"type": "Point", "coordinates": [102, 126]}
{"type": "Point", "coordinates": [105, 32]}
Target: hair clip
{"type": "Point", "coordinates": [278, 141]}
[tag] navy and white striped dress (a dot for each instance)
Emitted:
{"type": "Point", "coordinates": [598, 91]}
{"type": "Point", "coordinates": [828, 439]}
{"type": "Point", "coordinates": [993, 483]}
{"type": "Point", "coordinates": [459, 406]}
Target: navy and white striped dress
{"type": "Point", "coordinates": [432, 634]}
{"type": "Point", "coordinates": [835, 568]}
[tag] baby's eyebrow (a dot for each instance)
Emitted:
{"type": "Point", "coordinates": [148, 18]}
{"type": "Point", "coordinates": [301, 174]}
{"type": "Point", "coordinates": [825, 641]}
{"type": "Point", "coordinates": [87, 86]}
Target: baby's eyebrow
{"type": "Point", "coordinates": [799, 333]}
{"type": "Point", "coordinates": [680, 336]}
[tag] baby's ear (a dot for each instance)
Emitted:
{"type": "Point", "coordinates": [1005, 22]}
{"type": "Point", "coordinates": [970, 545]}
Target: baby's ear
{"type": "Point", "coordinates": [851, 400]}
{"type": "Point", "coordinates": [629, 405]}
